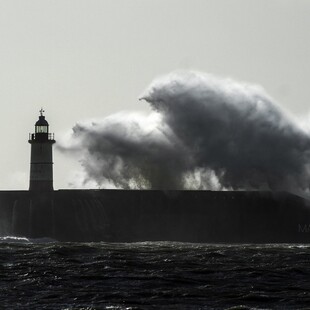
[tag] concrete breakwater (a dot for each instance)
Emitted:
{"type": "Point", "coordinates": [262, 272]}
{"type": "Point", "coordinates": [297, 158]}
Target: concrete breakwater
{"type": "Point", "coordinates": [147, 215]}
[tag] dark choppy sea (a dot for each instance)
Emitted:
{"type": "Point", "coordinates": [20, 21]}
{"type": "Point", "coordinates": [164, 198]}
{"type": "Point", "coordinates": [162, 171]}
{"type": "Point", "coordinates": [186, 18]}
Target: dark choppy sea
{"type": "Point", "coordinates": [152, 275]}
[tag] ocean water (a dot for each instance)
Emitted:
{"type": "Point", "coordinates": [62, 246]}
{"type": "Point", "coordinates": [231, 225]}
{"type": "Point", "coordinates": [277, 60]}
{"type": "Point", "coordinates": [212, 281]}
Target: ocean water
{"type": "Point", "coordinates": [43, 274]}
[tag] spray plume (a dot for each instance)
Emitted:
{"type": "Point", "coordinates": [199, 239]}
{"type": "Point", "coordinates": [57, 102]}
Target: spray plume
{"type": "Point", "coordinates": [203, 133]}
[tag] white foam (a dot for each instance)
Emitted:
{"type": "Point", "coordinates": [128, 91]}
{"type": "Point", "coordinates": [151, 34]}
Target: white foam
{"type": "Point", "coordinates": [15, 239]}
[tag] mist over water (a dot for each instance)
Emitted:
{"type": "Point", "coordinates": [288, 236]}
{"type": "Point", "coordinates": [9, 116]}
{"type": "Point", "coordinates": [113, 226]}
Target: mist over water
{"type": "Point", "coordinates": [203, 132]}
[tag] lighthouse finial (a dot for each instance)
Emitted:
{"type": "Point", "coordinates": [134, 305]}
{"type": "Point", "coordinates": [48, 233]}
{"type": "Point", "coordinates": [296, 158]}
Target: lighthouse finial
{"type": "Point", "coordinates": [41, 111]}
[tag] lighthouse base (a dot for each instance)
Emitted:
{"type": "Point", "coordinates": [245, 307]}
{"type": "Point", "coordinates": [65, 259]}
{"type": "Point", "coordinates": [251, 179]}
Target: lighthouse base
{"type": "Point", "coordinates": [41, 186]}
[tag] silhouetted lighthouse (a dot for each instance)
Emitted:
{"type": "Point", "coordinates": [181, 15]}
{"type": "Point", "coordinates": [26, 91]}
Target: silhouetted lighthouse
{"type": "Point", "coordinates": [41, 162]}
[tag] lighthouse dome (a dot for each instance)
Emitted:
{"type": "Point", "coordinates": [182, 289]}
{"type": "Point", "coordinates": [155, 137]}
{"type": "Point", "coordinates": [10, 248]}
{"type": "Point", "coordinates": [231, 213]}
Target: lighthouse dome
{"type": "Point", "coordinates": [42, 121]}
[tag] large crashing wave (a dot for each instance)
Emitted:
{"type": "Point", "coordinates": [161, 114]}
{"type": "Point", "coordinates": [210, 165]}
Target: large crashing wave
{"type": "Point", "coordinates": [204, 133]}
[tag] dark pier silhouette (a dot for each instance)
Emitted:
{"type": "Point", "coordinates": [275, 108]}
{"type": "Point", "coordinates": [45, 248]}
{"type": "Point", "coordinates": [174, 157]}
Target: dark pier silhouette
{"type": "Point", "coordinates": [134, 215]}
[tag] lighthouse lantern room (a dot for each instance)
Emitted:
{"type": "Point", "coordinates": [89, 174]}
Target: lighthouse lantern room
{"type": "Point", "coordinates": [41, 159]}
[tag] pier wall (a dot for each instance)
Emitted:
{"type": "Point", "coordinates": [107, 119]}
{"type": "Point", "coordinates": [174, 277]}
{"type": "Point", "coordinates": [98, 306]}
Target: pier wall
{"type": "Point", "coordinates": [146, 215]}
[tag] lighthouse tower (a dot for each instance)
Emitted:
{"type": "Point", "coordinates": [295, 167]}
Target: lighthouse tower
{"type": "Point", "coordinates": [41, 161]}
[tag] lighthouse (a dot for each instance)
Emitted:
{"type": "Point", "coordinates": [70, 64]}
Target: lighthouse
{"type": "Point", "coordinates": [41, 159]}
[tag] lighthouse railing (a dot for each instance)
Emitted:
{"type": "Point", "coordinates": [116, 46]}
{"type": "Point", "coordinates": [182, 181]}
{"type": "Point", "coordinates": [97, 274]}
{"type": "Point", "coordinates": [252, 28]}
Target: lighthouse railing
{"type": "Point", "coordinates": [41, 136]}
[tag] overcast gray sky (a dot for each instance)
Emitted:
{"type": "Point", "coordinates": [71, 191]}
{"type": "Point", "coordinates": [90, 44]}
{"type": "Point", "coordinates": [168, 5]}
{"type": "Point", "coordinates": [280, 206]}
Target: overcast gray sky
{"type": "Point", "coordinates": [87, 59]}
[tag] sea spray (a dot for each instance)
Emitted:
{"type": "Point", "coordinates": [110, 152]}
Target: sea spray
{"type": "Point", "coordinates": [204, 133]}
